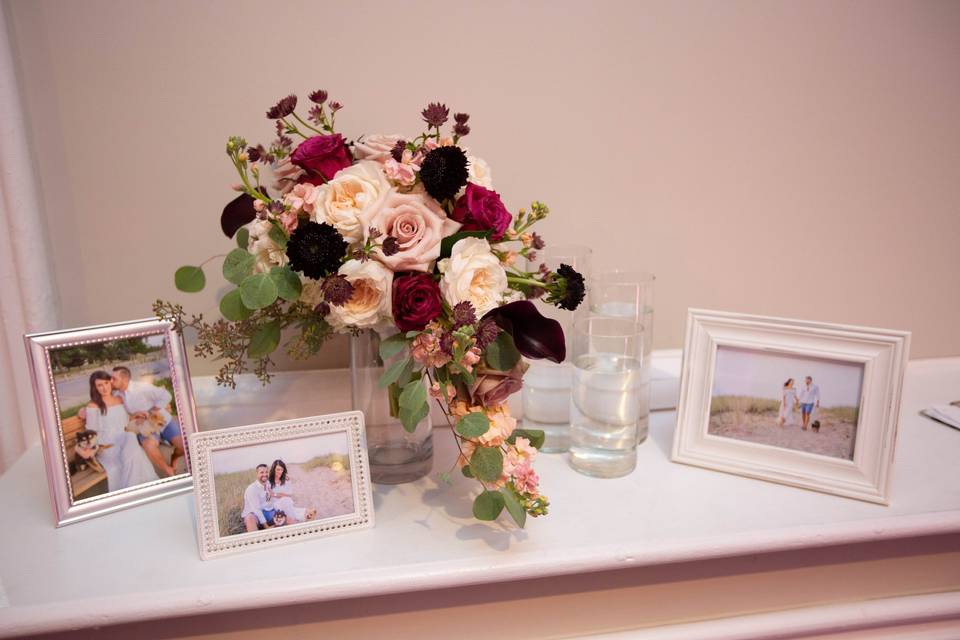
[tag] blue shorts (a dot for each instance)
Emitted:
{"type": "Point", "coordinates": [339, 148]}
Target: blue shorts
{"type": "Point", "coordinates": [268, 515]}
{"type": "Point", "coordinates": [171, 431]}
{"type": "Point", "coordinates": [806, 408]}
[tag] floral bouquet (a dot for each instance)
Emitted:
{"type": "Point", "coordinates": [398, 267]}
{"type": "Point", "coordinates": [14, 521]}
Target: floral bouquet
{"type": "Point", "coordinates": [404, 236]}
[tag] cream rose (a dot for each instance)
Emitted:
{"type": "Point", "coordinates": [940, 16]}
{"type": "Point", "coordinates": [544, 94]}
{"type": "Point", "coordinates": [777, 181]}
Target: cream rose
{"type": "Point", "coordinates": [376, 147]}
{"type": "Point", "coordinates": [478, 172]}
{"type": "Point", "coordinates": [356, 191]}
{"type": "Point", "coordinates": [418, 223]}
{"type": "Point", "coordinates": [369, 306]}
{"type": "Point", "coordinates": [474, 274]}
{"type": "Point", "coordinates": [266, 253]}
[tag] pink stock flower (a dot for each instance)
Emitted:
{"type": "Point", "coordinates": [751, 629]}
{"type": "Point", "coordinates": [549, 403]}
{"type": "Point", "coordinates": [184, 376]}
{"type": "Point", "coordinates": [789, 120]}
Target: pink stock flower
{"type": "Point", "coordinates": [525, 479]}
{"type": "Point", "coordinates": [303, 197]}
{"type": "Point", "coordinates": [502, 425]}
{"type": "Point", "coordinates": [470, 358]}
{"type": "Point", "coordinates": [289, 220]}
{"type": "Point", "coordinates": [426, 350]}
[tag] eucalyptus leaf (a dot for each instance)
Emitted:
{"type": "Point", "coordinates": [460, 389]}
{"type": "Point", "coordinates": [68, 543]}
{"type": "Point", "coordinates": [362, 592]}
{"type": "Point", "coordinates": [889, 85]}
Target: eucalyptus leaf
{"type": "Point", "coordinates": [392, 346]}
{"type": "Point", "coordinates": [467, 473]}
{"type": "Point", "coordinates": [410, 418]}
{"type": "Point", "coordinates": [265, 340]}
{"type": "Point", "coordinates": [279, 236]}
{"type": "Point", "coordinates": [488, 505]}
{"type": "Point", "coordinates": [288, 283]}
{"type": "Point", "coordinates": [232, 307]}
{"type": "Point", "coordinates": [393, 372]}
{"type": "Point", "coordinates": [473, 425]}
{"type": "Point", "coordinates": [413, 395]}
{"type": "Point", "coordinates": [514, 508]}
{"type": "Point", "coordinates": [189, 279]}
{"type": "Point", "coordinates": [487, 463]}
{"type": "Point", "coordinates": [243, 238]}
{"type": "Point", "coordinates": [535, 436]}
{"type": "Point", "coordinates": [237, 265]}
{"type": "Point", "coordinates": [502, 353]}
{"type": "Point", "coordinates": [258, 291]}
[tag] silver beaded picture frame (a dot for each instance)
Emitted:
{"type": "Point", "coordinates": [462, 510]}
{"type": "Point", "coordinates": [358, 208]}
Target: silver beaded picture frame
{"type": "Point", "coordinates": [63, 365]}
{"type": "Point", "coordinates": [280, 482]}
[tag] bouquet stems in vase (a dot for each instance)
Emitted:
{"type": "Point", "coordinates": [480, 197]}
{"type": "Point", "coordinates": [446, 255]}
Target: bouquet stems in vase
{"type": "Point", "coordinates": [402, 243]}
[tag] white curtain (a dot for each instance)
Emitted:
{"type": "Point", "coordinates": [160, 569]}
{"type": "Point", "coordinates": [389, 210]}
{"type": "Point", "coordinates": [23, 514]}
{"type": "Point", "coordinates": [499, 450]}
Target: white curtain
{"type": "Point", "coordinates": [28, 296]}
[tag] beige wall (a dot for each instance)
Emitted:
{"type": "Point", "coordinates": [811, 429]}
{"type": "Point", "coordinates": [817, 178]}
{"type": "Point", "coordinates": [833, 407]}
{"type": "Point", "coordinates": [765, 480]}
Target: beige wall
{"type": "Point", "coordinates": [799, 159]}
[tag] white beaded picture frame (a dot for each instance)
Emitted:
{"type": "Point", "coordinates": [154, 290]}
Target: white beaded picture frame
{"type": "Point", "coordinates": [879, 354]}
{"type": "Point", "coordinates": [226, 460]}
{"type": "Point", "coordinates": [42, 349]}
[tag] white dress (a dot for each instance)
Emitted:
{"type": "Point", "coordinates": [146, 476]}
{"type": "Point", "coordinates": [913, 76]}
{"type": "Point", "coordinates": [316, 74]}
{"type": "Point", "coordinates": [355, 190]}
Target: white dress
{"type": "Point", "coordinates": [286, 505]}
{"type": "Point", "coordinates": [788, 400]}
{"type": "Point", "coordinates": [126, 463]}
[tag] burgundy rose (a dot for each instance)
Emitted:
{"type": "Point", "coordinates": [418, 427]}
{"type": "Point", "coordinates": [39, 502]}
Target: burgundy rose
{"type": "Point", "coordinates": [481, 209]}
{"type": "Point", "coordinates": [416, 301]}
{"type": "Point", "coordinates": [493, 387]}
{"type": "Point", "coordinates": [321, 157]}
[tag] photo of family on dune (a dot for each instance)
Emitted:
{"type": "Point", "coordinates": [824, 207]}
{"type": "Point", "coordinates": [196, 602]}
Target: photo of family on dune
{"type": "Point", "coordinates": [118, 417]}
{"type": "Point", "coordinates": [795, 402]}
{"type": "Point", "coordinates": [282, 483]}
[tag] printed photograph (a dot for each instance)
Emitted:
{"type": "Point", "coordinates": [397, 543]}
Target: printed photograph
{"type": "Point", "coordinates": [794, 402]}
{"type": "Point", "coordinates": [118, 416]}
{"type": "Point", "coordinates": [283, 483]}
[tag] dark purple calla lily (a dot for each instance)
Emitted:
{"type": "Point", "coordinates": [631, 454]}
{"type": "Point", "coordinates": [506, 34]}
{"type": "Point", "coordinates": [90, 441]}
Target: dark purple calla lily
{"type": "Point", "coordinates": [237, 213]}
{"type": "Point", "coordinates": [535, 335]}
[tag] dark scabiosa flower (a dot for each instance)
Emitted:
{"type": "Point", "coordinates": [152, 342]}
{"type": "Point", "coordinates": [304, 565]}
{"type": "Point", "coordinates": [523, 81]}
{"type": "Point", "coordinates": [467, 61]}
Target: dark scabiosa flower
{"type": "Point", "coordinates": [337, 290]}
{"type": "Point", "coordinates": [315, 249]}
{"type": "Point", "coordinates": [461, 129]}
{"type": "Point", "coordinates": [487, 332]}
{"type": "Point", "coordinates": [283, 108]}
{"type": "Point", "coordinates": [461, 118]}
{"type": "Point", "coordinates": [444, 171]}
{"type": "Point", "coordinates": [435, 114]}
{"type": "Point", "coordinates": [390, 246]}
{"type": "Point", "coordinates": [464, 314]}
{"type": "Point", "coordinates": [567, 289]}
{"type": "Point", "coordinates": [319, 96]}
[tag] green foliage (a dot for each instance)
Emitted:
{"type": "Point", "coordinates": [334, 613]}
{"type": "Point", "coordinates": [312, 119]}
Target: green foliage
{"type": "Point", "coordinates": [535, 436]}
{"type": "Point", "coordinates": [514, 508]}
{"type": "Point", "coordinates": [265, 340]}
{"type": "Point", "coordinates": [111, 352]}
{"type": "Point", "coordinates": [488, 505]}
{"type": "Point", "coordinates": [392, 346]}
{"type": "Point", "coordinates": [279, 236]}
{"type": "Point", "coordinates": [243, 238]}
{"type": "Point", "coordinates": [487, 463]}
{"type": "Point", "coordinates": [395, 371]}
{"type": "Point", "coordinates": [473, 425]}
{"type": "Point", "coordinates": [258, 291]}
{"type": "Point", "coordinates": [237, 266]}
{"type": "Point", "coordinates": [410, 418]}
{"type": "Point", "coordinates": [232, 307]}
{"type": "Point", "coordinates": [288, 283]}
{"type": "Point", "coordinates": [413, 404]}
{"type": "Point", "coordinates": [502, 353]}
{"type": "Point", "coordinates": [466, 471]}
{"type": "Point", "coordinates": [189, 279]}
{"type": "Point", "coordinates": [446, 245]}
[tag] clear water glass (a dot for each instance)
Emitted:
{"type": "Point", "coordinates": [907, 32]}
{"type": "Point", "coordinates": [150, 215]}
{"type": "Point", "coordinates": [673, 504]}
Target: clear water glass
{"type": "Point", "coordinates": [629, 294]}
{"type": "Point", "coordinates": [605, 400]}
{"type": "Point", "coordinates": [546, 385]}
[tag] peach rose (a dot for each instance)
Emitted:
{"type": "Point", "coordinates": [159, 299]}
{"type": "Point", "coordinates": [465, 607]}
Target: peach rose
{"type": "Point", "coordinates": [417, 222]}
{"type": "Point", "coordinates": [355, 192]}
{"type": "Point", "coordinates": [370, 304]}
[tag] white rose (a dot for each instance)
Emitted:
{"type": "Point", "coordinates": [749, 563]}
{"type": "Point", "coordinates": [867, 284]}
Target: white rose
{"type": "Point", "coordinates": [356, 191]}
{"type": "Point", "coordinates": [370, 303]}
{"type": "Point", "coordinates": [376, 146]}
{"type": "Point", "coordinates": [266, 253]}
{"type": "Point", "coordinates": [473, 273]}
{"type": "Point", "coordinates": [478, 172]}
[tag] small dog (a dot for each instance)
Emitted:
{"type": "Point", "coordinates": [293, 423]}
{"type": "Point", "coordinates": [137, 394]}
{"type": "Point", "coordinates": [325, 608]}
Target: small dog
{"type": "Point", "coordinates": [85, 452]}
{"type": "Point", "coordinates": [279, 519]}
{"type": "Point", "coordinates": [147, 426]}
{"type": "Point", "coordinates": [815, 425]}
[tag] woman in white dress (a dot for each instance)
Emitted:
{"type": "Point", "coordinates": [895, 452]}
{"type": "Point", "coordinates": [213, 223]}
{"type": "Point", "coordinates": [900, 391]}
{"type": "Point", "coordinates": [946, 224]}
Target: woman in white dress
{"type": "Point", "coordinates": [125, 462]}
{"type": "Point", "coordinates": [788, 403]}
{"type": "Point", "coordinates": [282, 488]}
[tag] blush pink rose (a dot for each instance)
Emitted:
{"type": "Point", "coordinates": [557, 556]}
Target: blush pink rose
{"type": "Point", "coordinates": [418, 223]}
{"type": "Point", "coordinates": [376, 147]}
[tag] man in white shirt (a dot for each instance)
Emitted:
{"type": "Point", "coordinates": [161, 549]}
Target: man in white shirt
{"type": "Point", "coordinates": [809, 397]}
{"type": "Point", "coordinates": [258, 508]}
{"type": "Point", "coordinates": [141, 398]}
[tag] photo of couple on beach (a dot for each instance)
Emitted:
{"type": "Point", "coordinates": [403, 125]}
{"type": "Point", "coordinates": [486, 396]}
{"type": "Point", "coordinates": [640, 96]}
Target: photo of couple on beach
{"type": "Point", "coordinates": [282, 483]}
{"type": "Point", "coordinates": [118, 416]}
{"type": "Point", "coordinates": [795, 402]}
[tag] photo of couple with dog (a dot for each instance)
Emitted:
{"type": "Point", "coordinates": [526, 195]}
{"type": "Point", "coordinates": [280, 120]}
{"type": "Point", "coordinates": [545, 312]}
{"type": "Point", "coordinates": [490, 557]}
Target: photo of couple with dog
{"type": "Point", "coordinates": [758, 397]}
{"type": "Point", "coordinates": [125, 423]}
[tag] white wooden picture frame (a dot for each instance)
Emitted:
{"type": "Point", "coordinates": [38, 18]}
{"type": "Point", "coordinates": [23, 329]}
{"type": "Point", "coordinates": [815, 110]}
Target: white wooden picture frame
{"type": "Point", "coordinates": [57, 433]}
{"type": "Point", "coordinates": [221, 455]}
{"type": "Point", "coordinates": [883, 355]}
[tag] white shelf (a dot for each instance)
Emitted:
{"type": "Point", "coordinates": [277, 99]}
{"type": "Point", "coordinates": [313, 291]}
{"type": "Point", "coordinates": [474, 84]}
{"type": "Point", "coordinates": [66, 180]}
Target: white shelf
{"type": "Point", "coordinates": [143, 563]}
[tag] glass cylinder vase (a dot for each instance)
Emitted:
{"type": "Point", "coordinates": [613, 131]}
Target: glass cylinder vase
{"type": "Point", "coordinates": [396, 455]}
